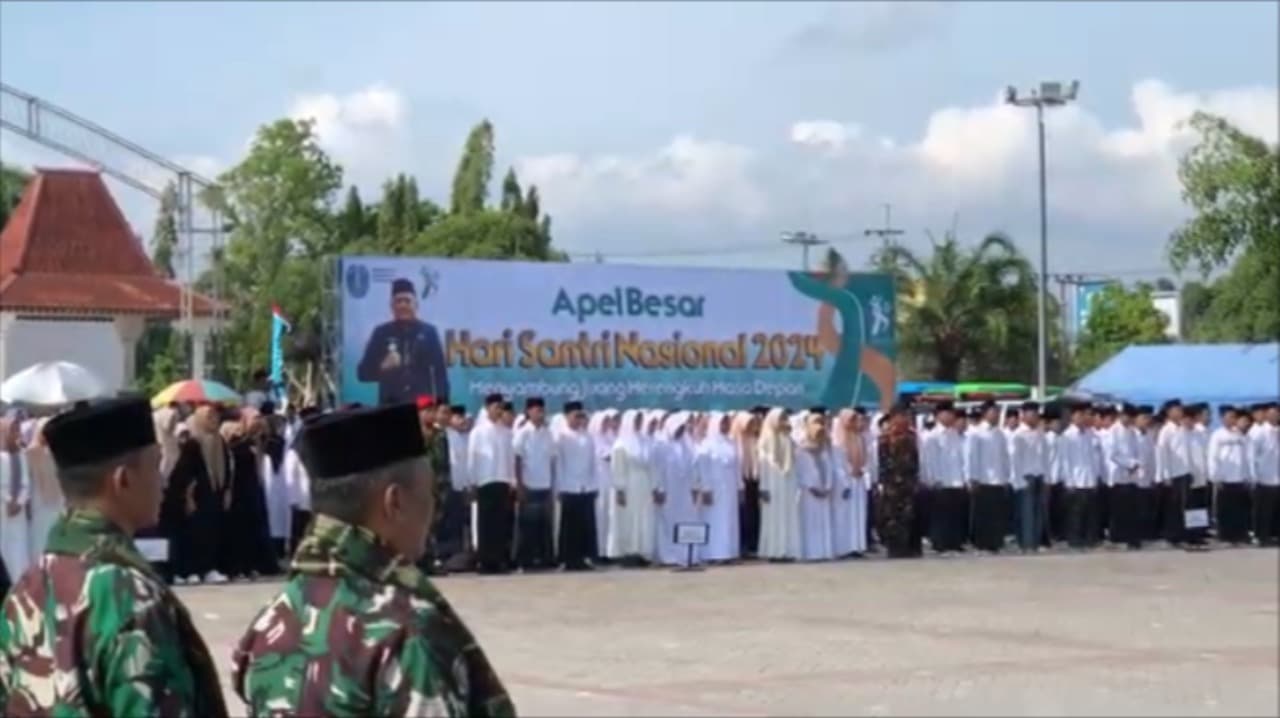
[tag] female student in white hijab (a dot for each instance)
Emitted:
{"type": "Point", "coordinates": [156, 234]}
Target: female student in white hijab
{"type": "Point", "coordinates": [46, 495]}
{"type": "Point", "coordinates": [632, 522]}
{"type": "Point", "coordinates": [603, 430]}
{"type": "Point", "coordinates": [680, 505]}
{"type": "Point", "coordinates": [718, 472]}
{"type": "Point", "coordinates": [816, 478]}
{"type": "Point", "coordinates": [779, 493]}
{"type": "Point", "coordinates": [15, 495]}
{"type": "Point", "coordinates": [849, 506]}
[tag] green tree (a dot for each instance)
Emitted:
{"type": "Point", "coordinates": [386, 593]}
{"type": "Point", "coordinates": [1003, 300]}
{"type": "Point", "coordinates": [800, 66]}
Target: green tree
{"type": "Point", "coordinates": [354, 222]}
{"type": "Point", "coordinates": [488, 234]}
{"type": "Point", "coordinates": [164, 237]}
{"type": "Point", "coordinates": [12, 182]}
{"type": "Point", "coordinates": [1118, 317]}
{"type": "Point", "coordinates": [512, 195]}
{"type": "Point", "coordinates": [1231, 180]}
{"type": "Point", "coordinates": [475, 171]}
{"type": "Point", "coordinates": [967, 311]}
{"type": "Point", "coordinates": [280, 200]}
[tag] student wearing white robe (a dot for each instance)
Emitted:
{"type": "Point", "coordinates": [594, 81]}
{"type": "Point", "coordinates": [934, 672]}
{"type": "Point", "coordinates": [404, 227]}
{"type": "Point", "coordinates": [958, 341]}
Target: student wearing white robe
{"type": "Point", "coordinates": [491, 461]}
{"type": "Point", "coordinates": [814, 474]}
{"type": "Point", "coordinates": [15, 496]}
{"type": "Point", "coordinates": [46, 495]}
{"type": "Point", "coordinates": [633, 520]}
{"type": "Point", "coordinates": [680, 504]}
{"type": "Point", "coordinates": [603, 428]}
{"type": "Point", "coordinates": [719, 483]}
{"type": "Point", "coordinates": [779, 493]}
{"type": "Point", "coordinates": [844, 447]}
{"type": "Point", "coordinates": [1264, 467]}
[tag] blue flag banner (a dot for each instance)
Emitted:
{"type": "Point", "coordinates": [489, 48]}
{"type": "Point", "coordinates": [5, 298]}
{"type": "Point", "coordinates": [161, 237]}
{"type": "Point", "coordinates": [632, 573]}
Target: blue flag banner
{"type": "Point", "coordinates": [279, 327]}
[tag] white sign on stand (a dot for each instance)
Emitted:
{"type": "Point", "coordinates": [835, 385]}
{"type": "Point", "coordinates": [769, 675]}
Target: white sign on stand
{"type": "Point", "coordinates": [691, 535]}
{"type": "Point", "coordinates": [154, 550]}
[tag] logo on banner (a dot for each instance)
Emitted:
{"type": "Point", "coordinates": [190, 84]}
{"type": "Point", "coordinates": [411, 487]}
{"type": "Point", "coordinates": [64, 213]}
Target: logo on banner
{"type": "Point", "coordinates": [357, 280]}
{"type": "Point", "coordinates": [430, 281]}
{"type": "Point", "coordinates": [880, 322]}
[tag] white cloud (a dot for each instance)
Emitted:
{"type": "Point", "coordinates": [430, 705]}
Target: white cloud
{"type": "Point", "coordinates": [688, 176]}
{"type": "Point", "coordinates": [978, 161]}
{"type": "Point", "coordinates": [826, 135]}
{"type": "Point", "coordinates": [363, 130]}
{"type": "Point", "coordinates": [869, 27]}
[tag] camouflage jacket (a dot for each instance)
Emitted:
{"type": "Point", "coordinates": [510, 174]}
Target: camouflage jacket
{"type": "Point", "coordinates": [438, 457]}
{"type": "Point", "coordinates": [92, 630]}
{"type": "Point", "coordinates": [899, 461]}
{"type": "Point", "coordinates": [359, 631]}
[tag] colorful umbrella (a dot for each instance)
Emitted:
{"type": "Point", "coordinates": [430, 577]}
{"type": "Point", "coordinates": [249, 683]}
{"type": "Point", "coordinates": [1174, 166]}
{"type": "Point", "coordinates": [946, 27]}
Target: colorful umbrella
{"type": "Point", "coordinates": [196, 391]}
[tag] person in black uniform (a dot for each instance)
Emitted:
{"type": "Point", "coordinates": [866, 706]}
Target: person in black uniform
{"type": "Point", "coordinates": [404, 356]}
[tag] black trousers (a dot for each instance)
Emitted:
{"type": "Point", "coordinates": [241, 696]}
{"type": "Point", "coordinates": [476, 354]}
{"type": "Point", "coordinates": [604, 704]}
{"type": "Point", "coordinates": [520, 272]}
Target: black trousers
{"type": "Point", "coordinates": [451, 525]}
{"type": "Point", "coordinates": [534, 523]}
{"type": "Point", "coordinates": [948, 519]}
{"type": "Point", "coordinates": [1125, 515]}
{"type": "Point", "coordinates": [1057, 513]}
{"type": "Point", "coordinates": [1149, 499]}
{"type": "Point", "coordinates": [1172, 506]}
{"type": "Point", "coordinates": [577, 529]}
{"type": "Point", "coordinates": [1266, 514]}
{"type": "Point", "coordinates": [872, 503]}
{"type": "Point", "coordinates": [1103, 492]}
{"type": "Point", "coordinates": [921, 509]}
{"type": "Point", "coordinates": [299, 522]}
{"type": "Point", "coordinates": [749, 516]}
{"type": "Point", "coordinates": [1232, 510]}
{"type": "Point", "coordinates": [1081, 517]}
{"type": "Point", "coordinates": [990, 516]}
{"type": "Point", "coordinates": [494, 527]}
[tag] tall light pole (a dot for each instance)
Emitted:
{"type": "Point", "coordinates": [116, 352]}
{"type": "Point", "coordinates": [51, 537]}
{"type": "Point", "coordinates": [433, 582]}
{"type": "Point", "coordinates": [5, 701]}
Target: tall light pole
{"type": "Point", "coordinates": [1049, 94]}
{"type": "Point", "coordinates": [805, 240]}
{"type": "Point", "coordinates": [886, 233]}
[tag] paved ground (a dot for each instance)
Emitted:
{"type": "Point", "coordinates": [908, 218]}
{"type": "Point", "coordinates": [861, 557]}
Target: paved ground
{"type": "Point", "coordinates": [1154, 633]}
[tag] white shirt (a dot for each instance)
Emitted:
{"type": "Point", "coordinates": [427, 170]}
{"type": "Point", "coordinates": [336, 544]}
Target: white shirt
{"type": "Point", "coordinates": [575, 463]}
{"type": "Point", "coordinates": [986, 456]}
{"type": "Point", "coordinates": [536, 450]}
{"type": "Point", "coordinates": [944, 459]}
{"type": "Point", "coordinates": [490, 457]}
{"type": "Point", "coordinates": [1264, 450]}
{"type": "Point", "coordinates": [459, 477]}
{"type": "Point", "coordinates": [1145, 448]}
{"type": "Point", "coordinates": [1174, 448]}
{"type": "Point", "coordinates": [1228, 456]}
{"type": "Point", "coordinates": [297, 480]}
{"type": "Point", "coordinates": [1076, 465]}
{"type": "Point", "coordinates": [1120, 455]}
{"type": "Point", "coordinates": [1028, 454]}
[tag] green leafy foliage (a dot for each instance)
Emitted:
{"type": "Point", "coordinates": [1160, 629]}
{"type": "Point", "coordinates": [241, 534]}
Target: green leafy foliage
{"type": "Point", "coordinates": [1118, 317]}
{"type": "Point", "coordinates": [1232, 182]}
{"type": "Point", "coordinates": [164, 237]}
{"type": "Point", "coordinates": [12, 182]}
{"type": "Point", "coordinates": [968, 311]}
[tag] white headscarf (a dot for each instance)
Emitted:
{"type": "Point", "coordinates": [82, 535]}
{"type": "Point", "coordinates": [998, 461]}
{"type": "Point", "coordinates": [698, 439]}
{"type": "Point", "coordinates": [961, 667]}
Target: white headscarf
{"type": "Point", "coordinates": [559, 424]}
{"type": "Point", "coordinates": [603, 439]}
{"type": "Point", "coordinates": [717, 443]}
{"type": "Point", "coordinates": [776, 445]}
{"type": "Point", "coordinates": [797, 426]}
{"type": "Point", "coordinates": [629, 438]}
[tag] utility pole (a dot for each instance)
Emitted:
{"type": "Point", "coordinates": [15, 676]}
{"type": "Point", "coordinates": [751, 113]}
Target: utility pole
{"type": "Point", "coordinates": [1049, 94]}
{"type": "Point", "coordinates": [886, 233]}
{"type": "Point", "coordinates": [1068, 308]}
{"type": "Point", "coordinates": [805, 240]}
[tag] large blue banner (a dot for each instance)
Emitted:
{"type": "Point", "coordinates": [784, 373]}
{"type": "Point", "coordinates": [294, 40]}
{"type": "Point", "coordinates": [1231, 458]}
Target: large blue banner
{"type": "Point", "coordinates": [613, 335]}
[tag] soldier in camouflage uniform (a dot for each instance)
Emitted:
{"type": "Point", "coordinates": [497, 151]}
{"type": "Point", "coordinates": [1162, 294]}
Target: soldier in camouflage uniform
{"type": "Point", "coordinates": [899, 479]}
{"type": "Point", "coordinates": [437, 455]}
{"type": "Point", "coordinates": [91, 628]}
{"type": "Point", "coordinates": [358, 629]}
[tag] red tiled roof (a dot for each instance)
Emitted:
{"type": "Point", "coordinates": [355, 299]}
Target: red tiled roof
{"type": "Point", "coordinates": [68, 247]}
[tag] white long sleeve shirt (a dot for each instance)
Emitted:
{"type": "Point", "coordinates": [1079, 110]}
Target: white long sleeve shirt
{"type": "Point", "coordinates": [1175, 446]}
{"type": "Point", "coordinates": [575, 463]}
{"type": "Point", "coordinates": [986, 456]}
{"type": "Point", "coordinates": [1145, 448]}
{"type": "Point", "coordinates": [297, 480]}
{"type": "Point", "coordinates": [1120, 455]}
{"type": "Point", "coordinates": [536, 449]}
{"type": "Point", "coordinates": [1228, 456]}
{"type": "Point", "coordinates": [1264, 454]}
{"type": "Point", "coordinates": [1076, 462]}
{"type": "Point", "coordinates": [459, 476]}
{"type": "Point", "coordinates": [490, 457]}
{"type": "Point", "coordinates": [943, 456]}
{"type": "Point", "coordinates": [1028, 454]}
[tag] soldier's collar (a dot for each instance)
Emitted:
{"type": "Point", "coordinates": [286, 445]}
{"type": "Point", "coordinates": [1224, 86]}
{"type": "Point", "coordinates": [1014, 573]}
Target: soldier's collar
{"type": "Point", "coordinates": [333, 547]}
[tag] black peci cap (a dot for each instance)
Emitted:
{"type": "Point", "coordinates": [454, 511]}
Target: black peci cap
{"type": "Point", "coordinates": [493, 399]}
{"type": "Point", "coordinates": [458, 410]}
{"type": "Point", "coordinates": [572, 406]}
{"type": "Point", "coordinates": [508, 406]}
{"type": "Point", "coordinates": [402, 286]}
{"type": "Point", "coordinates": [381, 437]}
{"type": "Point", "coordinates": [533, 401]}
{"type": "Point", "coordinates": [99, 432]}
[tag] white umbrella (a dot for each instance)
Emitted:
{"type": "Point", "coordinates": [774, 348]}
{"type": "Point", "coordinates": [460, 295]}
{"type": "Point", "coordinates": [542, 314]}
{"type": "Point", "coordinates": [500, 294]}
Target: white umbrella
{"type": "Point", "coordinates": [51, 383]}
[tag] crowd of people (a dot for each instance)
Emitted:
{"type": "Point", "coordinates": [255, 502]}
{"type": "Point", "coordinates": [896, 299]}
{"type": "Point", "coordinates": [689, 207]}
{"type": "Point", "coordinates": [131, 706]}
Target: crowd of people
{"type": "Point", "coordinates": [525, 490]}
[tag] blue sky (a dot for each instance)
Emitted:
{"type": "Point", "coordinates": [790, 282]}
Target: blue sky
{"type": "Point", "coordinates": [689, 128]}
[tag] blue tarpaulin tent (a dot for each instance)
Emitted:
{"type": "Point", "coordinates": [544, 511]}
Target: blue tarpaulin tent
{"type": "Point", "coordinates": [1212, 373]}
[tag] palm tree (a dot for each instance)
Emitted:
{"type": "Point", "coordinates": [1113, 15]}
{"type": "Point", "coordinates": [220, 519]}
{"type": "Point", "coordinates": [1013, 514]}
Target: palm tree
{"type": "Point", "coordinates": [965, 310]}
